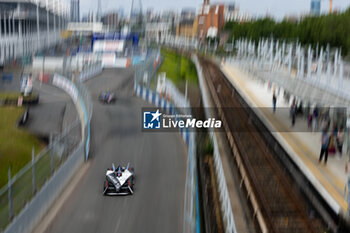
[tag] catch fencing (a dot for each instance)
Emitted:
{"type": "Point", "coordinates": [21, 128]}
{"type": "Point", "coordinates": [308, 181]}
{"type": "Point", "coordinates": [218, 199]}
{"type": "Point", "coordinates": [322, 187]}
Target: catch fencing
{"type": "Point", "coordinates": [146, 71]}
{"type": "Point", "coordinates": [24, 185]}
{"type": "Point", "coordinates": [226, 209]}
{"type": "Point", "coordinates": [29, 194]}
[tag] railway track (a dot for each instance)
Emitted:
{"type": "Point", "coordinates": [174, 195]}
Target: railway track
{"type": "Point", "coordinates": [278, 204]}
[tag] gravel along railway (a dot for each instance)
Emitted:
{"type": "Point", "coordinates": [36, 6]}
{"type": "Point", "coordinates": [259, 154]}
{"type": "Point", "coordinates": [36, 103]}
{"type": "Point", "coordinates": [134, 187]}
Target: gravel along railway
{"type": "Point", "coordinates": [277, 202]}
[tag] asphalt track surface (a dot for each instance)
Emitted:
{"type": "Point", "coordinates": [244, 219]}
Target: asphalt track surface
{"type": "Point", "coordinates": [158, 159]}
{"type": "Point", "coordinates": [53, 114]}
{"type": "Point", "coordinates": [55, 110]}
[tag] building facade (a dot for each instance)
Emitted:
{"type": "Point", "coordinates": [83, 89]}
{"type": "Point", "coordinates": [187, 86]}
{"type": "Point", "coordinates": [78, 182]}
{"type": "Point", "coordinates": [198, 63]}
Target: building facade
{"type": "Point", "coordinates": [231, 12]}
{"type": "Point", "coordinates": [210, 20]}
{"type": "Point", "coordinates": [26, 27]}
{"type": "Point", "coordinates": [187, 28]}
{"type": "Point", "coordinates": [157, 31]}
{"type": "Point", "coordinates": [111, 20]}
{"type": "Point", "coordinates": [74, 11]}
{"type": "Point", "coordinates": [315, 8]}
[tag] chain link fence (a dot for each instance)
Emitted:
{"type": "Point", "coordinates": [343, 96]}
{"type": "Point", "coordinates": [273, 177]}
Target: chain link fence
{"type": "Point", "coordinates": [22, 187]}
{"type": "Point", "coordinates": [147, 70]}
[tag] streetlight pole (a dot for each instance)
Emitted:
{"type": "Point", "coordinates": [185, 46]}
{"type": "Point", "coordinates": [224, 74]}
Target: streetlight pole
{"type": "Point", "coordinates": [132, 6]}
{"type": "Point", "coordinates": [48, 23]}
{"type": "Point", "coordinates": [37, 23]}
{"type": "Point", "coordinates": [54, 18]}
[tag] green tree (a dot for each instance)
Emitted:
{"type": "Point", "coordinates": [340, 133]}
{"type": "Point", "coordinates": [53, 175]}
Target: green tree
{"type": "Point", "coordinates": [332, 29]}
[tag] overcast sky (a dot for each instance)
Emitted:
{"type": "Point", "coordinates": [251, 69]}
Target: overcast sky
{"type": "Point", "coordinates": [277, 8]}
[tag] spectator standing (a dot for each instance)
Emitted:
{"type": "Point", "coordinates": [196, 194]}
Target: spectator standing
{"type": "Point", "coordinates": [274, 101]}
{"type": "Point", "coordinates": [293, 112]}
{"type": "Point", "coordinates": [309, 120]}
{"type": "Point", "coordinates": [333, 140]}
{"type": "Point", "coordinates": [324, 146]}
{"type": "Point", "coordinates": [315, 118]}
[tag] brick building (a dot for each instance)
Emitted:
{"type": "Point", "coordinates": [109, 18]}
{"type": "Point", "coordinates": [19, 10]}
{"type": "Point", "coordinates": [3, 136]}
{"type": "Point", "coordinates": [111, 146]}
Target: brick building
{"type": "Point", "coordinates": [210, 19]}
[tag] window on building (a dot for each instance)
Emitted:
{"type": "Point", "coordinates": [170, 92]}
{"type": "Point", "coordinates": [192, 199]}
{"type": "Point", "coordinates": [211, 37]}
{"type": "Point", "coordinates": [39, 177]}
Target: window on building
{"type": "Point", "coordinates": [201, 20]}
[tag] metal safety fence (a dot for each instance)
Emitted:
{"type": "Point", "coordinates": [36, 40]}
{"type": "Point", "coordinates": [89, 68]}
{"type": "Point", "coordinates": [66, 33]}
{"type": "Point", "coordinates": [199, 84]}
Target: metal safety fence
{"type": "Point", "coordinates": [28, 182]}
{"type": "Point", "coordinates": [147, 70]}
{"type": "Point", "coordinates": [23, 186]}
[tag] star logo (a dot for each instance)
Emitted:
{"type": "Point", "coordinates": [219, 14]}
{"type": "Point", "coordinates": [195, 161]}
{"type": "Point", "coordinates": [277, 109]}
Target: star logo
{"type": "Point", "coordinates": [151, 120]}
{"type": "Point", "coordinates": [156, 115]}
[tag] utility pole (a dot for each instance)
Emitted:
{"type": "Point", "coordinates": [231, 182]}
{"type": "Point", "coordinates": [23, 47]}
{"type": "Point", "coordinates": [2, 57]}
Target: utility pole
{"type": "Point", "coordinates": [99, 11]}
{"type": "Point", "coordinates": [54, 19]}
{"type": "Point", "coordinates": [37, 23]}
{"type": "Point", "coordinates": [131, 10]}
{"type": "Point", "coordinates": [48, 23]}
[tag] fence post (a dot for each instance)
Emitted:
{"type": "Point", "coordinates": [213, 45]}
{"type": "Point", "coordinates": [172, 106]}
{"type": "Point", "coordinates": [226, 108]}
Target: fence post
{"type": "Point", "coordinates": [10, 193]}
{"type": "Point", "coordinates": [51, 153]}
{"type": "Point", "coordinates": [33, 172]}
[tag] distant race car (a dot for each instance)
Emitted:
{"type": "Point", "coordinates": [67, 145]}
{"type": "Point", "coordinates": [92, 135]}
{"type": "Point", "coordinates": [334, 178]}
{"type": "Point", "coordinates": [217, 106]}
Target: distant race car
{"type": "Point", "coordinates": [119, 181]}
{"type": "Point", "coordinates": [107, 97]}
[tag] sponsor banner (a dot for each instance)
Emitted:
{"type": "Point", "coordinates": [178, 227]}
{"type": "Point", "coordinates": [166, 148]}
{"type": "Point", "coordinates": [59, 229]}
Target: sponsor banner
{"type": "Point", "coordinates": [110, 60]}
{"type": "Point", "coordinates": [108, 45]}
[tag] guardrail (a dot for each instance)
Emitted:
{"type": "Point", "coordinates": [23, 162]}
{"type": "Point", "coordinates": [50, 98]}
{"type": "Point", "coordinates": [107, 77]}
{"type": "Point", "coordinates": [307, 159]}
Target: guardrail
{"type": "Point", "coordinates": [221, 180]}
{"type": "Point", "coordinates": [90, 72]}
{"type": "Point", "coordinates": [82, 101]}
{"type": "Point", "coordinates": [34, 179]}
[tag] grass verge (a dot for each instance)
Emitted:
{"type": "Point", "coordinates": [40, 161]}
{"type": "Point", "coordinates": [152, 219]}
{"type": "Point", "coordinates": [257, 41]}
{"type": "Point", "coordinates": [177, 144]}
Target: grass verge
{"type": "Point", "coordinates": [178, 68]}
{"type": "Point", "coordinates": [15, 143]}
{"type": "Point", "coordinates": [14, 96]}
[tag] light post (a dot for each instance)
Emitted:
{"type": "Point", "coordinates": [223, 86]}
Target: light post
{"type": "Point", "coordinates": [37, 24]}
{"type": "Point", "coordinates": [48, 23]}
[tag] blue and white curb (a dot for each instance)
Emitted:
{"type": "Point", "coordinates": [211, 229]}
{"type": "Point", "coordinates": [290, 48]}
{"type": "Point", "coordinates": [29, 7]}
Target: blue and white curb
{"type": "Point", "coordinates": [161, 102]}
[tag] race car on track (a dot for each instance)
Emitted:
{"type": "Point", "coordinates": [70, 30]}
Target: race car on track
{"type": "Point", "coordinates": [107, 97]}
{"type": "Point", "coordinates": [119, 181]}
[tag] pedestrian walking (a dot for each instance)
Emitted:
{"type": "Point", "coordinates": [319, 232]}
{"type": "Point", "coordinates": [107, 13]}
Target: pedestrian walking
{"type": "Point", "coordinates": [324, 146]}
{"type": "Point", "coordinates": [331, 144]}
{"type": "Point", "coordinates": [274, 101]}
{"type": "Point", "coordinates": [340, 142]}
{"type": "Point", "coordinates": [315, 119]}
{"type": "Point", "coordinates": [293, 112]}
{"type": "Point", "coordinates": [309, 120]}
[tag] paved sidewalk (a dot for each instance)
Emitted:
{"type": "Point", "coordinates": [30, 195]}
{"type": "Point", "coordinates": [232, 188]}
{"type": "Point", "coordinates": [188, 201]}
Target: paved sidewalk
{"type": "Point", "coordinates": [303, 146]}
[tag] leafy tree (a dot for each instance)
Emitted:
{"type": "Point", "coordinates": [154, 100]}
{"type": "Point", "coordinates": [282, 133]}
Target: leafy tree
{"type": "Point", "coordinates": [332, 29]}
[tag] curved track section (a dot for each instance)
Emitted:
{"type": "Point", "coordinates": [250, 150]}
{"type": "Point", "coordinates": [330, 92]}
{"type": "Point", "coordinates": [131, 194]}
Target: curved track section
{"type": "Point", "coordinates": [158, 159]}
